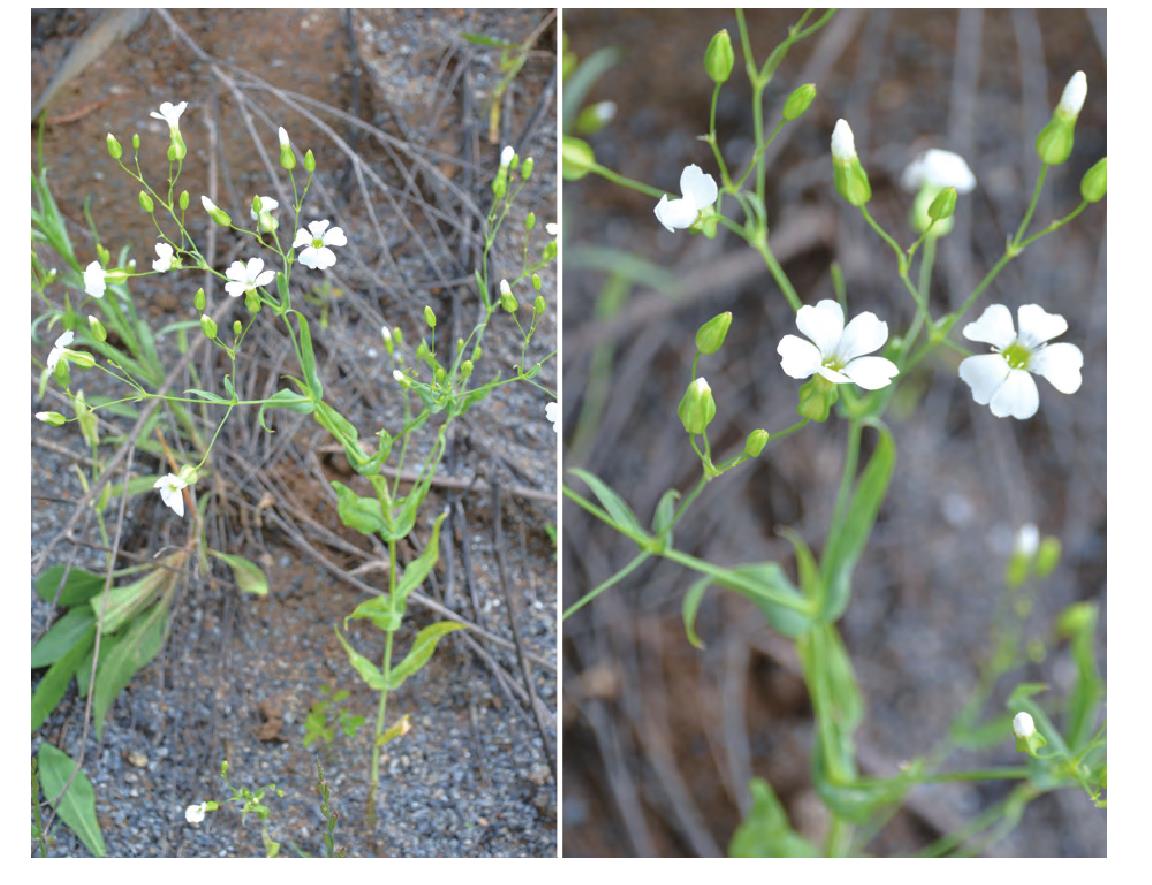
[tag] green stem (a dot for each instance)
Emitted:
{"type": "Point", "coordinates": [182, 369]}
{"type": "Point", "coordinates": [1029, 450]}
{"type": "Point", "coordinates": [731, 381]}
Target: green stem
{"type": "Point", "coordinates": [1020, 231]}
{"type": "Point", "coordinates": [382, 709]}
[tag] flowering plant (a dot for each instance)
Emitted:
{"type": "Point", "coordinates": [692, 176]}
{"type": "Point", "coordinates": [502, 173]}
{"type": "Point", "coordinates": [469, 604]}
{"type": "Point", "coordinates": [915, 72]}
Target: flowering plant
{"type": "Point", "coordinates": [852, 368]}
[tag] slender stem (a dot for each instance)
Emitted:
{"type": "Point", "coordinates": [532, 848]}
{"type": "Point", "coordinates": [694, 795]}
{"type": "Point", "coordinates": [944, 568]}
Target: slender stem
{"type": "Point", "coordinates": [636, 562]}
{"type": "Point", "coordinates": [382, 709]}
{"type": "Point", "coordinates": [624, 181]}
{"type": "Point", "coordinates": [1020, 231]}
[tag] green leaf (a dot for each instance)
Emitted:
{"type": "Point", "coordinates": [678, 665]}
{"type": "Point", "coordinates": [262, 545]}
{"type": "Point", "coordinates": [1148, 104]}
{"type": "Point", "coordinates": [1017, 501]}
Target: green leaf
{"type": "Point", "coordinates": [79, 586]}
{"type": "Point", "coordinates": [689, 607]}
{"type": "Point", "coordinates": [357, 512]}
{"type": "Point", "coordinates": [207, 396]}
{"type": "Point", "coordinates": [664, 516]}
{"type": "Point", "coordinates": [308, 357]}
{"type": "Point", "coordinates": [62, 636]}
{"type": "Point", "coordinates": [284, 399]}
{"type": "Point", "coordinates": [765, 832]}
{"type": "Point", "coordinates": [620, 512]}
{"type": "Point", "coordinates": [122, 656]}
{"type": "Point", "coordinates": [766, 584]}
{"type": "Point", "coordinates": [482, 40]}
{"type": "Point", "coordinates": [848, 539]}
{"type": "Point", "coordinates": [250, 578]}
{"type": "Point", "coordinates": [419, 568]}
{"type": "Point", "coordinates": [367, 670]}
{"type": "Point", "coordinates": [857, 801]}
{"type": "Point", "coordinates": [77, 807]}
{"type": "Point", "coordinates": [1079, 621]}
{"type": "Point", "coordinates": [381, 611]}
{"type": "Point", "coordinates": [54, 683]}
{"type": "Point", "coordinates": [118, 605]}
{"type": "Point", "coordinates": [421, 652]}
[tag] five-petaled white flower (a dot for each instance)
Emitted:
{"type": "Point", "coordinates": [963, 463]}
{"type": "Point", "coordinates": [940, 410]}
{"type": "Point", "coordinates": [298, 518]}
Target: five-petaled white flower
{"type": "Point", "coordinates": [1004, 379]}
{"type": "Point", "coordinates": [317, 239]}
{"type": "Point", "coordinates": [552, 229]}
{"type": "Point", "coordinates": [58, 349]}
{"type": "Point", "coordinates": [507, 156]}
{"type": "Point", "coordinates": [94, 280]}
{"type": "Point", "coordinates": [939, 169]}
{"type": "Point", "coordinates": [244, 278]}
{"type": "Point", "coordinates": [835, 351]}
{"type": "Point", "coordinates": [1076, 90]}
{"type": "Point", "coordinates": [194, 814]}
{"type": "Point", "coordinates": [552, 413]}
{"type": "Point", "coordinates": [171, 493]}
{"type": "Point", "coordinates": [170, 113]}
{"type": "Point", "coordinates": [698, 191]}
{"type": "Point", "coordinates": [1023, 726]}
{"type": "Point", "coordinates": [164, 262]}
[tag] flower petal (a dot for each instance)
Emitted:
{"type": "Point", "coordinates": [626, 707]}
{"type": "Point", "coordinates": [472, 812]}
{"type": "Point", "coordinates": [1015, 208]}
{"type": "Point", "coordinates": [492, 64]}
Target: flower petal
{"type": "Point", "coordinates": [235, 288]}
{"type": "Point", "coordinates": [235, 271]}
{"type": "Point", "coordinates": [1017, 396]}
{"type": "Point", "coordinates": [1038, 326]}
{"type": "Point", "coordinates": [865, 333]}
{"type": "Point", "coordinates": [264, 279]}
{"type": "Point", "coordinates": [1060, 363]}
{"type": "Point", "coordinates": [317, 228]}
{"type": "Point", "coordinates": [676, 214]}
{"type": "Point", "coordinates": [798, 358]}
{"type": "Point", "coordinates": [984, 374]}
{"type": "Point", "coordinates": [823, 324]}
{"type": "Point", "coordinates": [335, 237]}
{"type": "Point", "coordinates": [833, 376]}
{"type": "Point", "coordinates": [994, 327]}
{"type": "Point", "coordinates": [698, 187]}
{"type": "Point", "coordinates": [302, 239]}
{"type": "Point", "coordinates": [871, 372]}
{"type": "Point", "coordinates": [255, 265]}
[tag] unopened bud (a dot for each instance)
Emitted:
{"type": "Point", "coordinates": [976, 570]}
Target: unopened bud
{"type": "Point", "coordinates": [530, 221]}
{"type": "Point", "coordinates": [697, 408]}
{"type": "Point", "coordinates": [200, 300]}
{"type": "Point", "coordinates": [799, 101]}
{"type": "Point", "coordinates": [429, 317]}
{"type": "Point", "coordinates": [1023, 726]}
{"type": "Point", "coordinates": [755, 443]}
{"type": "Point", "coordinates": [537, 283]}
{"type": "Point", "coordinates": [526, 168]}
{"type": "Point", "coordinates": [145, 202]}
{"type": "Point", "coordinates": [184, 199]}
{"type": "Point", "coordinates": [53, 418]}
{"type": "Point", "coordinates": [237, 328]}
{"type": "Point", "coordinates": [208, 325]}
{"type": "Point", "coordinates": [287, 155]}
{"type": "Point", "coordinates": [98, 330]}
{"type": "Point", "coordinates": [309, 162]}
{"type": "Point", "coordinates": [538, 306]}
{"type": "Point", "coordinates": [1094, 184]}
{"type": "Point", "coordinates": [849, 175]}
{"type": "Point", "coordinates": [719, 57]}
{"type": "Point", "coordinates": [115, 149]}
{"type": "Point", "coordinates": [710, 336]}
{"type": "Point", "coordinates": [578, 158]}
{"type": "Point", "coordinates": [943, 206]}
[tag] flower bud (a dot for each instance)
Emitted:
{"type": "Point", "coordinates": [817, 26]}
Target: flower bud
{"type": "Point", "coordinates": [578, 158]}
{"type": "Point", "coordinates": [1023, 726]}
{"type": "Point", "coordinates": [398, 336]}
{"type": "Point", "coordinates": [1047, 557]}
{"type": "Point", "coordinates": [215, 212]}
{"type": "Point", "coordinates": [526, 168]}
{"type": "Point", "coordinates": [710, 336]}
{"type": "Point", "coordinates": [184, 198]}
{"type": "Point", "coordinates": [537, 283]}
{"type": "Point", "coordinates": [538, 306]}
{"type": "Point", "coordinates": [755, 443]}
{"type": "Point", "coordinates": [429, 317]}
{"type": "Point", "coordinates": [850, 177]}
{"type": "Point", "coordinates": [943, 206]}
{"type": "Point", "coordinates": [287, 155]}
{"type": "Point", "coordinates": [1094, 184]}
{"type": "Point", "coordinates": [1072, 99]}
{"type": "Point", "coordinates": [550, 250]}
{"type": "Point", "coordinates": [1054, 143]}
{"type": "Point", "coordinates": [507, 156]}
{"type": "Point", "coordinates": [81, 358]}
{"type": "Point", "coordinates": [719, 57]}
{"type": "Point", "coordinates": [595, 117]}
{"type": "Point", "coordinates": [389, 344]}
{"type": "Point", "coordinates": [252, 302]}
{"type": "Point", "coordinates": [309, 162]}
{"type": "Point", "coordinates": [135, 141]}
{"type": "Point", "coordinates": [115, 150]}
{"type": "Point", "coordinates": [697, 408]}
{"type": "Point", "coordinates": [400, 378]}
{"type": "Point", "coordinates": [466, 368]}
{"type": "Point", "coordinates": [208, 326]}
{"type": "Point", "coordinates": [200, 300]}
{"type": "Point", "coordinates": [508, 302]}
{"type": "Point", "coordinates": [477, 352]}
{"type": "Point", "coordinates": [816, 398]}
{"type": "Point", "coordinates": [530, 221]}
{"type": "Point", "coordinates": [145, 202]}
{"type": "Point", "coordinates": [799, 101]}
{"type": "Point", "coordinates": [98, 330]}
{"type": "Point", "coordinates": [237, 328]}
{"type": "Point", "coordinates": [53, 418]}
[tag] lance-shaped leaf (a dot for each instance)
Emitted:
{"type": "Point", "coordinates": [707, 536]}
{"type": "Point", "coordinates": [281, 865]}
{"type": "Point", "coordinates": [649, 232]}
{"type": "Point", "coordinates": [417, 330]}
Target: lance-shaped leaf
{"type": "Point", "coordinates": [116, 606]}
{"type": "Point", "coordinates": [122, 656]}
{"type": "Point", "coordinates": [690, 606]}
{"type": "Point", "coordinates": [54, 683]}
{"type": "Point", "coordinates": [77, 806]}
{"type": "Point", "coordinates": [75, 589]}
{"type": "Point", "coordinates": [364, 667]}
{"type": "Point", "coordinates": [250, 578]}
{"type": "Point", "coordinates": [421, 652]}
{"type": "Point", "coordinates": [358, 512]}
{"type": "Point", "coordinates": [613, 504]}
{"type": "Point", "coordinates": [419, 568]}
{"type": "Point", "coordinates": [62, 637]}
{"type": "Point", "coordinates": [383, 611]}
{"type": "Point", "coordinates": [284, 399]}
{"type": "Point", "coordinates": [765, 832]}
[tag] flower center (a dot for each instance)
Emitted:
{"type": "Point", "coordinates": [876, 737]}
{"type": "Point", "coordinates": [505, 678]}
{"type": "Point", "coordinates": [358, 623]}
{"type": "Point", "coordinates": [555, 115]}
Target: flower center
{"type": "Point", "coordinates": [834, 363]}
{"type": "Point", "coordinates": [317, 243]}
{"type": "Point", "coordinates": [1017, 355]}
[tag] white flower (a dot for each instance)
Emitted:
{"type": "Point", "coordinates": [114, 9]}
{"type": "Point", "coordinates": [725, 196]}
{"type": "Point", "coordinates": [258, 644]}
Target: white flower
{"type": "Point", "coordinates": [170, 113]}
{"type": "Point", "coordinates": [939, 169]}
{"type": "Point", "coordinates": [58, 349]}
{"type": "Point", "coordinates": [283, 134]}
{"type": "Point", "coordinates": [1003, 379]}
{"type": "Point", "coordinates": [552, 413]}
{"type": "Point", "coordinates": [194, 814]}
{"type": "Point", "coordinates": [399, 377]}
{"type": "Point", "coordinates": [1027, 539]}
{"type": "Point", "coordinates": [267, 220]}
{"type": "Point", "coordinates": [843, 142]}
{"type": "Point", "coordinates": [209, 206]}
{"type": "Point", "coordinates": [698, 191]}
{"type": "Point", "coordinates": [94, 280]}
{"type": "Point", "coordinates": [244, 278]}
{"type": "Point", "coordinates": [171, 493]}
{"type": "Point", "coordinates": [317, 239]}
{"type": "Point", "coordinates": [505, 289]}
{"type": "Point", "coordinates": [164, 262]}
{"type": "Point", "coordinates": [386, 334]}
{"type": "Point", "coordinates": [835, 351]}
{"type": "Point", "coordinates": [507, 156]}
{"type": "Point", "coordinates": [1072, 100]}
{"type": "Point", "coordinates": [1023, 726]}
{"type": "Point", "coordinates": [552, 229]}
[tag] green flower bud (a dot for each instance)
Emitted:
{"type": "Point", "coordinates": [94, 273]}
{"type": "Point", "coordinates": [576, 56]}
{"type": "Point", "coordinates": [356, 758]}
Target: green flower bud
{"type": "Point", "coordinates": [429, 317]}
{"type": "Point", "coordinates": [537, 283]}
{"type": "Point", "coordinates": [252, 301]}
{"type": "Point", "coordinates": [1094, 184]}
{"type": "Point", "coordinates": [1077, 618]}
{"type": "Point", "coordinates": [208, 325]}
{"type": "Point", "coordinates": [550, 250]}
{"type": "Point", "coordinates": [755, 443]}
{"type": "Point", "coordinates": [1047, 557]}
{"type": "Point", "coordinates": [81, 358]}
{"type": "Point", "coordinates": [1054, 143]}
{"type": "Point", "coordinates": [943, 206]}
{"type": "Point", "coordinates": [184, 198]}
{"type": "Point", "coordinates": [710, 336]}
{"type": "Point", "coordinates": [538, 306]}
{"type": "Point", "coordinates": [237, 328]}
{"type": "Point", "coordinates": [719, 57]}
{"type": "Point", "coordinates": [849, 175]}
{"type": "Point", "coordinates": [799, 101]}
{"type": "Point", "coordinates": [816, 398]}
{"type": "Point", "coordinates": [115, 150]}
{"type": "Point", "coordinates": [508, 302]}
{"type": "Point", "coordinates": [477, 353]}
{"type": "Point", "coordinates": [53, 418]}
{"type": "Point", "coordinates": [439, 374]}
{"type": "Point", "coordinates": [287, 155]}
{"type": "Point", "coordinates": [102, 255]}
{"type": "Point", "coordinates": [526, 168]}
{"type": "Point", "coordinates": [466, 368]}
{"type": "Point", "coordinates": [200, 300]}
{"type": "Point", "coordinates": [578, 158]}
{"type": "Point", "coordinates": [145, 202]}
{"type": "Point", "coordinates": [697, 408]}
{"type": "Point", "coordinates": [177, 150]}
{"type": "Point", "coordinates": [309, 162]}
{"type": "Point", "coordinates": [530, 221]}
{"type": "Point", "coordinates": [135, 141]}
{"type": "Point", "coordinates": [398, 334]}
{"type": "Point", "coordinates": [595, 117]}
{"type": "Point", "coordinates": [98, 330]}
